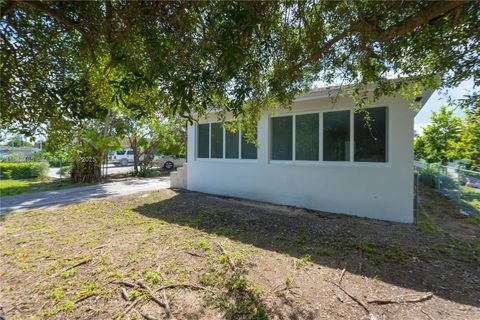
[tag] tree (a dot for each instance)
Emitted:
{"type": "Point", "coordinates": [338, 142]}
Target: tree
{"type": "Point", "coordinates": [18, 142]}
{"type": "Point", "coordinates": [436, 143]}
{"type": "Point", "coordinates": [237, 57]}
{"type": "Point", "coordinates": [468, 145]}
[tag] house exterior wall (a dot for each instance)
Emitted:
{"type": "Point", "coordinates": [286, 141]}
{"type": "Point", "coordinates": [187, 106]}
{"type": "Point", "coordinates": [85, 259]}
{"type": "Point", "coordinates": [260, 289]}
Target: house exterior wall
{"type": "Point", "coordinates": [375, 190]}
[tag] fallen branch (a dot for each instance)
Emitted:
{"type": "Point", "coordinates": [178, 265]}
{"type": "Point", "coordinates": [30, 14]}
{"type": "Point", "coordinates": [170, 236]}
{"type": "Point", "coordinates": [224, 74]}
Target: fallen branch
{"type": "Point", "coordinates": [341, 275]}
{"type": "Point", "coordinates": [358, 301]}
{"type": "Point", "coordinates": [78, 264]}
{"type": "Point", "coordinates": [403, 300]}
{"type": "Point", "coordinates": [124, 283]}
{"type": "Point", "coordinates": [125, 295]}
{"type": "Point", "coordinates": [152, 297]}
{"type": "Point", "coordinates": [182, 285]}
{"type": "Point", "coordinates": [83, 298]}
{"type": "Point", "coordinates": [147, 316]}
{"type": "Point", "coordinates": [194, 254]}
{"type": "Point", "coordinates": [230, 261]}
{"type": "Point", "coordinates": [129, 308]}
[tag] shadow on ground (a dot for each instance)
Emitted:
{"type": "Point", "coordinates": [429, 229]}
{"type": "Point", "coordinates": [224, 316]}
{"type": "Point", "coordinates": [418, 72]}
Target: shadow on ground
{"type": "Point", "coordinates": [423, 258]}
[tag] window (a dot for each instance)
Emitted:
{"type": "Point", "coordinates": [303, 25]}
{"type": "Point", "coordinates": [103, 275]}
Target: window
{"type": "Point", "coordinates": [204, 140]}
{"type": "Point", "coordinates": [210, 143]}
{"type": "Point", "coordinates": [216, 140]}
{"type": "Point", "coordinates": [249, 150]}
{"type": "Point", "coordinates": [370, 135]}
{"type": "Point", "coordinates": [130, 152]}
{"type": "Point", "coordinates": [306, 137]}
{"type": "Point", "coordinates": [281, 138]}
{"type": "Point", "coordinates": [336, 136]}
{"type": "Point", "coordinates": [231, 144]}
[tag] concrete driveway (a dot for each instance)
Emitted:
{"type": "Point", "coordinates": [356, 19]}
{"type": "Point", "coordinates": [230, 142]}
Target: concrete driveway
{"type": "Point", "coordinates": [53, 199]}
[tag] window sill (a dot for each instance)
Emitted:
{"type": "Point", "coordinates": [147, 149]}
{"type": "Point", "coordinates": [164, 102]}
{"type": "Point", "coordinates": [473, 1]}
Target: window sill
{"type": "Point", "coordinates": [331, 163]}
{"type": "Point", "coordinates": [219, 160]}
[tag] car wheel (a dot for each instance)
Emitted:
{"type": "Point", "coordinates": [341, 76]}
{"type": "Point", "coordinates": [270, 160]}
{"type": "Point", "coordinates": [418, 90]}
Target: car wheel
{"type": "Point", "coordinates": [168, 165]}
{"type": "Point", "coordinates": [124, 162]}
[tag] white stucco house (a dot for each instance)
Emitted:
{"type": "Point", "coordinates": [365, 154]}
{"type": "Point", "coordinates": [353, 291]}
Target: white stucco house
{"type": "Point", "coordinates": [318, 155]}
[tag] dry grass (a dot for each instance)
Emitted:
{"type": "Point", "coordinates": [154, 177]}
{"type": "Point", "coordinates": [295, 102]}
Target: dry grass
{"type": "Point", "coordinates": [239, 259]}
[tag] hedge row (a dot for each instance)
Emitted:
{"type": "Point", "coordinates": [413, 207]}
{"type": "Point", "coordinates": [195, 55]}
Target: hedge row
{"type": "Point", "coordinates": [23, 170]}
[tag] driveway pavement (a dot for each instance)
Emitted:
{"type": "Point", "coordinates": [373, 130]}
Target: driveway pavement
{"type": "Point", "coordinates": [53, 199]}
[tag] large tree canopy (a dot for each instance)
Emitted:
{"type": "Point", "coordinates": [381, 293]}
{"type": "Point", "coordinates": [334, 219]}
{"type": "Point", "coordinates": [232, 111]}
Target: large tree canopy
{"type": "Point", "coordinates": [239, 57]}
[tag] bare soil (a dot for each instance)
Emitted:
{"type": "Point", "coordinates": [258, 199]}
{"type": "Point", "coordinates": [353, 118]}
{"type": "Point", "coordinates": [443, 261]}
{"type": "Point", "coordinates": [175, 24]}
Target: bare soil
{"type": "Point", "coordinates": [223, 258]}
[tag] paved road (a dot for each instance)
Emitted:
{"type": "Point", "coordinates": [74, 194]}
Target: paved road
{"type": "Point", "coordinates": [56, 198]}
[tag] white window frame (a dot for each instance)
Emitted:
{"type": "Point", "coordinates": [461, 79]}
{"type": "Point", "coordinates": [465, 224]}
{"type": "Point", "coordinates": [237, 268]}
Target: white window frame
{"type": "Point", "coordinates": [223, 159]}
{"type": "Point", "coordinates": [322, 162]}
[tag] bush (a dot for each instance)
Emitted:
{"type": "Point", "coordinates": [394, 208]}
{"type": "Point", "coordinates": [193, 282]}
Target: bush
{"type": "Point", "coordinates": [428, 175]}
{"type": "Point", "coordinates": [23, 170]}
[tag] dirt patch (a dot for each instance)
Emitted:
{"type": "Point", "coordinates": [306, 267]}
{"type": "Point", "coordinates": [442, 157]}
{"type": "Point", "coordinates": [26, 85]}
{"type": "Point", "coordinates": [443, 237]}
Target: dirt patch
{"type": "Point", "coordinates": [227, 258]}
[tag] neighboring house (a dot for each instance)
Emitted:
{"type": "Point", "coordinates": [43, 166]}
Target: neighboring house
{"type": "Point", "coordinates": [320, 155]}
{"type": "Point", "coordinates": [26, 152]}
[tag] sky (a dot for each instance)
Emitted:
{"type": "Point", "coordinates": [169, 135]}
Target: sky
{"type": "Point", "coordinates": [438, 99]}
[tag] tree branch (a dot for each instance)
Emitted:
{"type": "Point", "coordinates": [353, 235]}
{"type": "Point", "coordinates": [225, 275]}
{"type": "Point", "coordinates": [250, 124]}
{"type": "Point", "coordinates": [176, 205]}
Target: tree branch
{"type": "Point", "coordinates": [64, 20]}
{"type": "Point", "coordinates": [432, 11]}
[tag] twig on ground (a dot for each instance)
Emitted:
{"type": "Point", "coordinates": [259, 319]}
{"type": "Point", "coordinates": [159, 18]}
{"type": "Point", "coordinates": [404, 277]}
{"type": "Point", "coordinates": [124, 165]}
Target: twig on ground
{"type": "Point", "coordinates": [161, 303]}
{"type": "Point", "coordinates": [167, 305]}
{"type": "Point", "coordinates": [182, 285]}
{"type": "Point", "coordinates": [147, 316]}
{"type": "Point", "coordinates": [78, 264]}
{"type": "Point", "coordinates": [230, 261]}
{"type": "Point", "coordinates": [358, 301]}
{"type": "Point", "coordinates": [429, 316]}
{"type": "Point", "coordinates": [129, 308]}
{"type": "Point", "coordinates": [125, 295]}
{"type": "Point", "coordinates": [194, 254]}
{"type": "Point", "coordinates": [83, 298]}
{"type": "Point", "coordinates": [341, 275]}
{"type": "Point", "coordinates": [124, 283]}
{"type": "Point", "coordinates": [402, 299]}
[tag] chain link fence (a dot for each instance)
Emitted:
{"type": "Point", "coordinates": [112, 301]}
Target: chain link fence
{"type": "Point", "coordinates": [60, 168]}
{"type": "Point", "coordinates": [460, 185]}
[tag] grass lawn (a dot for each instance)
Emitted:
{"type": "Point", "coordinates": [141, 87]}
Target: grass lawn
{"type": "Point", "coordinates": [471, 196]}
{"type": "Point", "coordinates": [194, 256]}
{"type": "Point", "coordinates": [10, 187]}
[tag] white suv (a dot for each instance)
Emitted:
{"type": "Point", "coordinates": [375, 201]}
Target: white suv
{"type": "Point", "coordinates": [121, 157]}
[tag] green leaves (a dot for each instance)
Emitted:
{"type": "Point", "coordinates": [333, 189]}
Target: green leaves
{"type": "Point", "coordinates": [66, 62]}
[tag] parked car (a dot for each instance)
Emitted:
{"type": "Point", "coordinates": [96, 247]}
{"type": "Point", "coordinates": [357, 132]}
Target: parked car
{"type": "Point", "coordinates": [121, 157]}
{"type": "Point", "coordinates": [168, 162]}
{"type": "Point", "coordinates": [124, 157]}
{"type": "Point", "coordinates": [473, 184]}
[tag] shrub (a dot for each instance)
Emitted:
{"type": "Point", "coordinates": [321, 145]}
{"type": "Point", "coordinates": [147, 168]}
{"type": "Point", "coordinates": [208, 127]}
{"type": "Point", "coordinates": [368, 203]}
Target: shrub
{"type": "Point", "coordinates": [23, 170]}
{"type": "Point", "coordinates": [428, 175]}
{"type": "Point", "coordinates": [40, 170]}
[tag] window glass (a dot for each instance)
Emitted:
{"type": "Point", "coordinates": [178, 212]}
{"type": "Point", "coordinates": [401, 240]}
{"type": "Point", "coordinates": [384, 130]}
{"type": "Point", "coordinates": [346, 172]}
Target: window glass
{"type": "Point", "coordinates": [129, 152]}
{"type": "Point", "coordinates": [203, 140]}
{"type": "Point", "coordinates": [336, 136]}
{"type": "Point", "coordinates": [249, 150]}
{"type": "Point", "coordinates": [120, 153]}
{"type": "Point", "coordinates": [216, 140]}
{"type": "Point", "coordinates": [370, 135]}
{"type": "Point", "coordinates": [231, 144]}
{"type": "Point", "coordinates": [281, 137]}
{"type": "Point", "coordinates": [306, 137]}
